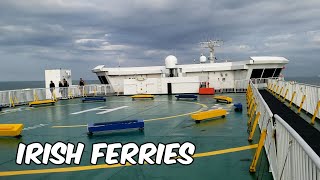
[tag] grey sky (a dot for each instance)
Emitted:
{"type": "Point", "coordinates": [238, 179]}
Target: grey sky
{"type": "Point", "coordinates": [44, 34]}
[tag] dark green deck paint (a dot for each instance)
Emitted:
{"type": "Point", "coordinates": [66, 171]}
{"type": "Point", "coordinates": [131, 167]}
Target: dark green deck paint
{"type": "Point", "coordinates": [209, 135]}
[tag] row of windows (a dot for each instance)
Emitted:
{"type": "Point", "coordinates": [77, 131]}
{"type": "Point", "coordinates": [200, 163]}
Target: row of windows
{"type": "Point", "coordinates": [256, 73]}
{"type": "Point", "coordinates": [103, 80]}
{"type": "Point", "coordinates": [274, 72]}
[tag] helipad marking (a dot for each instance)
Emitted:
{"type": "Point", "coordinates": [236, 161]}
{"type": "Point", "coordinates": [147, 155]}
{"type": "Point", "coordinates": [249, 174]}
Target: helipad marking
{"type": "Point", "coordinates": [147, 120]}
{"type": "Point", "coordinates": [34, 127]}
{"type": "Point", "coordinates": [103, 111]}
{"type": "Point", "coordinates": [7, 111]}
{"type": "Point", "coordinates": [88, 110]}
{"type": "Point", "coordinates": [73, 104]}
{"type": "Point", "coordinates": [110, 110]}
{"type": "Point", "coordinates": [170, 117]}
{"type": "Point", "coordinates": [106, 166]}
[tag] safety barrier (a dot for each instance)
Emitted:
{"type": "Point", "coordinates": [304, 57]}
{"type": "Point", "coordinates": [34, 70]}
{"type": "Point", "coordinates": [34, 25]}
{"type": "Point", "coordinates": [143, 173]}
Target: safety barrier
{"type": "Point", "coordinates": [231, 86]}
{"type": "Point", "coordinates": [296, 159]}
{"type": "Point", "coordinates": [240, 85]}
{"type": "Point", "coordinates": [289, 156]}
{"type": "Point", "coordinates": [304, 96]}
{"type": "Point", "coordinates": [12, 98]}
{"type": "Point", "coordinates": [265, 121]}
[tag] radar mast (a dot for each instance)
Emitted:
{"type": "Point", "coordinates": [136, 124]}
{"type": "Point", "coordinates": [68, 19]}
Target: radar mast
{"type": "Point", "coordinates": [211, 44]}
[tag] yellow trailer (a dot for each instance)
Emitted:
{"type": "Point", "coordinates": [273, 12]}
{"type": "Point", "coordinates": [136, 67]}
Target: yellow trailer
{"type": "Point", "coordinates": [13, 130]}
{"type": "Point", "coordinates": [142, 96]}
{"type": "Point", "coordinates": [209, 114]}
{"type": "Point", "coordinates": [226, 99]}
{"type": "Point", "coordinates": [42, 102]}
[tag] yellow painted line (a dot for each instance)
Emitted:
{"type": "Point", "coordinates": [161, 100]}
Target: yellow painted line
{"type": "Point", "coordinates": [224, 151]}
{"type": "Point", "coordinates": [147, 120]}
{"type": "Point", "coordinates": [58, 105]}
{"type": "Point", "coordinates": [59, 170]}
{"type": "Point", "coordinates": [106, 166]}
{"type": "Point", "coordinates": [48, 106]}
{"type": "Point", "coordinates": [170, 117]}
{"type": "Point", "coordinates": [42, 107]}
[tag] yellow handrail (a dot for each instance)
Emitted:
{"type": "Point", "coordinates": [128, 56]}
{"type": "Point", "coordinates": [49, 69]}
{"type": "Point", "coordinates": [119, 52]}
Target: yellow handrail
{"type": "Point", "coordinates": [315, 113]}
{"type": "Point", "coordinates": [301, 104]}
{"type": "Point", "coordinates": [255, 123]}
{"type": "Point", "coordinates": [258, 151]}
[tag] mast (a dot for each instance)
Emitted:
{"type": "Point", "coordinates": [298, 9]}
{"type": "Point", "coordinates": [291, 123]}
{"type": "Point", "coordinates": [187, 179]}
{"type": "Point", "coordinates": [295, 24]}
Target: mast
{"type": "Point", "coordinates": [211, 44]}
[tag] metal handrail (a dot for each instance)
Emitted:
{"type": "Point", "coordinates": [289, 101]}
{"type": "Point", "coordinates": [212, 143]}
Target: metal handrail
{"type": "Point", "coordinates": [277, 158]}
{"type": "Point", "coordinates": [313, 156]}
{"type": "Point", "coordinates": [72, 86]}
{"type": "Point", "coordinates": [269, 144]}
{"type": "Point", "coordinates": [305, 84]}
{"type": "Point", "coordinates": [23, 96]}
{"type": "Point", "coordinates": [312, 93]}
{"type": "Point", "coordinates": [262, 100]}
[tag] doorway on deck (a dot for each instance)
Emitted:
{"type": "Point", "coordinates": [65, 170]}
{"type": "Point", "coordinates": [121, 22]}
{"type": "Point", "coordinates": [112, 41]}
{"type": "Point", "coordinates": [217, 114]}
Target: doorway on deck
{"type": "Point", "coordinates": [169, 88]}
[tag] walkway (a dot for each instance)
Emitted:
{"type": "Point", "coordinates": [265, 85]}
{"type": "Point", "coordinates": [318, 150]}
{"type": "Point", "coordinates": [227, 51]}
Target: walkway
{"type": "Point", "coordinates": [310, 134]}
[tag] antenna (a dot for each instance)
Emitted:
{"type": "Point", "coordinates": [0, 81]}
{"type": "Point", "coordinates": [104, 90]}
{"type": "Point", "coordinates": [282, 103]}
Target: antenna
{"type": "Point", "coordinates": [211, 44]}
{"type": "Point", "coordinates": [118, 61]}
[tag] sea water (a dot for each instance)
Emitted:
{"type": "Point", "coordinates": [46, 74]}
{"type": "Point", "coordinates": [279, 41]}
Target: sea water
{"type": "Point", "coordinates": [11, 85]}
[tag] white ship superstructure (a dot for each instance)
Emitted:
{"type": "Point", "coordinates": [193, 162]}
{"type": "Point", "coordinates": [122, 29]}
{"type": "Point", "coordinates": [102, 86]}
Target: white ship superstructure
{"type": "Point", "coordinates": [174, 78]}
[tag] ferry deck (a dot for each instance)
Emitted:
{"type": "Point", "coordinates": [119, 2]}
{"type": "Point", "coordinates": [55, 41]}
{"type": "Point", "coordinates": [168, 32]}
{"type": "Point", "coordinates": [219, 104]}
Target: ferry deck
{"type": "Point", "coordinates": [222, 147]}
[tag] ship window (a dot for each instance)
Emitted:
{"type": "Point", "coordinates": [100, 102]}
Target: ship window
{"type": "Point", "coordinates": [256, 73]}
{"type": "Point", "coordinates": [268, 73]}
{"type": "Point", "coordinates": [103, 80]}
{"type": "Point", "coordinates": [100, 79]}
{"type": "Point", "coordinates": [277, 73]}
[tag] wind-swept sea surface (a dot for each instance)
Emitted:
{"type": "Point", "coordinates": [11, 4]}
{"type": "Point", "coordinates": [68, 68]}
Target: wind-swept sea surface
{"type": "Point", "coordinates": [10, 85]}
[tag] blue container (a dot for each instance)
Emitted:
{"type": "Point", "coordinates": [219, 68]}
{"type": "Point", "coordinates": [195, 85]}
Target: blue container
{"type": "Point", "coordinates": [93, 99]}
{"type": "Point", "coordinates": [187, 96]}
{"type": "Point", "coordinates": [238, 107]}
{"type": "Point", "coordinates": [116, 125]}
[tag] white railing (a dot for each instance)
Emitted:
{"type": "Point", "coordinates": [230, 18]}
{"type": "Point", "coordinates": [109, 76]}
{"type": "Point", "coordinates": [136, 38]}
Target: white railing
{"type": "Point", "coordinates": [240, 85]}
{"type": "Point", "coordinates": [296, 159]}
{"type": "Point", "coordinates": [230, 86]}
{"type": "Point", "coordinates": [311, 92]}
{"type": "Point", "coordinates": [289, 156]}
{"type": "Point", "coordinates": [266, 122]}
{"type": "Point", "coordinates": [23, 96]}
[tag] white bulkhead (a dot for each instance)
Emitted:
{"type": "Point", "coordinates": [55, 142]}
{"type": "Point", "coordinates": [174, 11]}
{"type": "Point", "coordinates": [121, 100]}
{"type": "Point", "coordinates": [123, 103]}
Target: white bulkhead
{"type": "Point", "coordinates": [173, 78]}
{"type": "Point", "coordinates": [56, 75]}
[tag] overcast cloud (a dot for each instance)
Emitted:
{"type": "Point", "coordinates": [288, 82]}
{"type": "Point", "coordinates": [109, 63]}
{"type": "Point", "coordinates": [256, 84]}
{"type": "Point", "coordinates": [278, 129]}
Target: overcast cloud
{"type": "Point", "coordinates": [78, 34]}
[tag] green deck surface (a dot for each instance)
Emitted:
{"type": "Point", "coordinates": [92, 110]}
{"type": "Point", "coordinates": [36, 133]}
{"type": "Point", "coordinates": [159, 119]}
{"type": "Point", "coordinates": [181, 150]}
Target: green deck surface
{"type": "Point", "coordinates": [210, 135]}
